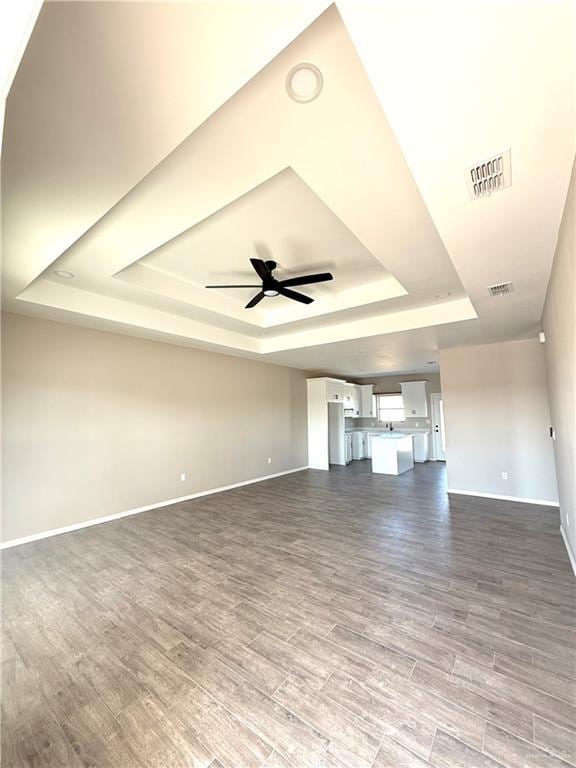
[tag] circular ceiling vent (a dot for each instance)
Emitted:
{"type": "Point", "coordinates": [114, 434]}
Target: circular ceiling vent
{"type": "Point", "coordinates": [304, 82]}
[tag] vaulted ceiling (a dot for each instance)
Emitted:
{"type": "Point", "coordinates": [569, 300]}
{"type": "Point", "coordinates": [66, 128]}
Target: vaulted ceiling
{"type": "Point", "coordinates": [152, 148]}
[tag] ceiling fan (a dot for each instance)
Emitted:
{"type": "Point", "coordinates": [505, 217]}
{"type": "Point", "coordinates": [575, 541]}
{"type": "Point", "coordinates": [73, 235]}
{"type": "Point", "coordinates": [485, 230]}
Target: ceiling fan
{"type": "Point", "coordinates": [272, 287]}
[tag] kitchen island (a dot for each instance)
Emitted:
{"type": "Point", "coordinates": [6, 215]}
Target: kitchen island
{"type": "Point", "coordinates": [392, 453]}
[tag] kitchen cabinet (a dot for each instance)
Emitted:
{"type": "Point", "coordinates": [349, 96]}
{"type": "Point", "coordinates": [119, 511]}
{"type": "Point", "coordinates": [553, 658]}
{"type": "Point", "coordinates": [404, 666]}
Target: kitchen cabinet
{"type": "Point", "coordinates": [368, 445]}
{"type": "Point", "coordinates": [348, 396]}
{"type": "Point", "coordinates": [358, 446]}
{"type": "Point", "coordinates": [334, 391]}
{"type": "Point", "coordinates": [328, 401]}
{"type": "Point", "coordinates": [420, 441]}
{"type": "Point", "coordinates": [356, 400]}
{"type": "Point", "coordinates": [325, 398]}
{"type": "Point", "coordinates": [369, 436]}
{"type": "Point", "coordinates": [366, 401]}
{"type": "Point", "coordinates": [348, 438]}
{"type": "Point", "coordinates": [392, 454]}
{"type": "Point", "coordinates": [415, 397]}
{"type": "Point", "coordinates": [351, 399]}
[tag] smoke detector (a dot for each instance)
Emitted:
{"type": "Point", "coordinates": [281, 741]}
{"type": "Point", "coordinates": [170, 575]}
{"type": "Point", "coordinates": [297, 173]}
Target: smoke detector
{"type": "Point", "coordinates": [489, 176]}
{"type": "Point", "coordinates": [500, 289]}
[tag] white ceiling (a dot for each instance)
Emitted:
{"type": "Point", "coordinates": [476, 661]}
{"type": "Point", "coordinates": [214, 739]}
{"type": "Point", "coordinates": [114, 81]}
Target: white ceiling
{"type": "Point", "coordinates": [295, 228]}
{"type": "Point", "coordinates": [173, 154]}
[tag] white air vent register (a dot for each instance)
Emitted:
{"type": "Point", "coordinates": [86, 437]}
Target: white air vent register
{"type": "Point", "coordinates": [500, 289]}
{"type": "Point", "coordinates": [489, 176]}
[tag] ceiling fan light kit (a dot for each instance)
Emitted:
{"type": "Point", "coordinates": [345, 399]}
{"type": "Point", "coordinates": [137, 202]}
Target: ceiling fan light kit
{"type": "Point", "coordinates": [272, 287]}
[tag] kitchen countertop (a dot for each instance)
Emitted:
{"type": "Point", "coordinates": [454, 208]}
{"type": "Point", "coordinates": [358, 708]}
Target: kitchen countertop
{"type": "Point", "coordinates": [391, 436]}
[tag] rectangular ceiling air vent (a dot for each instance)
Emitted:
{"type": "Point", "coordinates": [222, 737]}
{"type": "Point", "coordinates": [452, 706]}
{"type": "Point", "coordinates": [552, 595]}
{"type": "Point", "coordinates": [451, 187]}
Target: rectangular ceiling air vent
{"type": "Point", "coordinates": [489, 176]}
{"type": "Point", "coordinates": [500, 289]}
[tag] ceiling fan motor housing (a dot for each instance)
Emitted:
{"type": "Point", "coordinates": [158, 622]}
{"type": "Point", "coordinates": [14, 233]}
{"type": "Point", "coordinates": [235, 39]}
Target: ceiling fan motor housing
{"type": "Point", "coordinates": [273, 287]}
{"type": "Point", "coordinates": [270, 285]}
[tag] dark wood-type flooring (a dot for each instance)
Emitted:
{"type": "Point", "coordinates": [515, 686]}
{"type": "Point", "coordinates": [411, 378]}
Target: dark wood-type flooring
{"type": "Point", "coordinates": [333, 620]}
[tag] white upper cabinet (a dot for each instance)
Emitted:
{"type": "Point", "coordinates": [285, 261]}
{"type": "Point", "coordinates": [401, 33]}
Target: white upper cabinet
{"type": "Point", "coordinates": [356, 399]}
{"type": "Point", "coordinates": [352, 399]}
{"type": "Point", "coordinates": [415, 397]}
{"type": "Point", "coordinates": [334, 391]}
{"type": "Point", "coordinates": [366, 404]}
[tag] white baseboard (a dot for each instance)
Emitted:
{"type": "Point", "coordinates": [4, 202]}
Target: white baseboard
{"type": "Point", "coordinates": [521, 499]}
{"type": "Point", "coordinates": [571, 554]}
{"type": "Point", "coordinates": [137, 510]}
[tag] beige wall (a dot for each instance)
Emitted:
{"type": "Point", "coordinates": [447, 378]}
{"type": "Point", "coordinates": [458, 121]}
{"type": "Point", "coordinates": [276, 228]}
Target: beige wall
{"type": "Point", "coordinates": [559, 323]}
{"type": "Point", "coordinates": [497, 420]}
{"type": "Point", "coordinates": [390, 384]}
{"type": "Point", "coordinates": [97, 423]}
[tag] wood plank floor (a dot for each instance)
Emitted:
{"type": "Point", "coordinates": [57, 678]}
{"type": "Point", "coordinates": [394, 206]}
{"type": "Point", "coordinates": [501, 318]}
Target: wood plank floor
{"type": "Point", "coordinates": [331, 620]}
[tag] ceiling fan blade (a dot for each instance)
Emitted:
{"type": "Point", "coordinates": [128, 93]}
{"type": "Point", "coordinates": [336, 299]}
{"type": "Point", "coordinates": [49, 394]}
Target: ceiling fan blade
{"type": "Point", "coordinates": [232, 286]}
{"type": "Point", "coordinates": [321, 277]}
{"type": "Point", "coordinates": [255, 300]}
{"type": "Point", "coordinates": [294, 295]}
{"type": "Point", "coordinates": [261, 268]}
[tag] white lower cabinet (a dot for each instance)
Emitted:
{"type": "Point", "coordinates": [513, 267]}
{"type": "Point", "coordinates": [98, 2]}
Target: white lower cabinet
{"type": "Point", "coordinates": [358, 446]}
{"type": "Point", "coordinates": [392, 454]}
{"type": "Point", "coordinates": [369, 437]}
{"type": "Point", "coordinates": [348, 447]}
{"type": "Point", "coordinates": [421, 451]}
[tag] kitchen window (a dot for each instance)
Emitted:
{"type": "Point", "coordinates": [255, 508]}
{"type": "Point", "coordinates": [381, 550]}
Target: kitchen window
{"type": "Point", "coordinates": [390, 407]}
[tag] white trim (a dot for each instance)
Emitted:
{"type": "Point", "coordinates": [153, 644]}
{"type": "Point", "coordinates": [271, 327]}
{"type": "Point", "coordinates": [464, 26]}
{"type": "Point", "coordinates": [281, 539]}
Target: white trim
{"type": "Point", "coordinates": [137, 510]}
{"type": "Point", "coordinates": [521, 499]}
{"type": "Point", "coordinates": [569, 550]}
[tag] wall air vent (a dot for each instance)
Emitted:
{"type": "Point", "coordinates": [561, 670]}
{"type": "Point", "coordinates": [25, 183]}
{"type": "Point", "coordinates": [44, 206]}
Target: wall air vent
{"type": "Point", "coordinates": [500, 289]}
{"type": "Point", "coordinates": [489, 176]}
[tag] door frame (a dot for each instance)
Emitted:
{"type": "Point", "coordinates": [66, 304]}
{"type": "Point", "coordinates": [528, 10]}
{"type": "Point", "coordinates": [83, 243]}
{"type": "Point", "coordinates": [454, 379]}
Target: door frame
{"type": "Point", "coordinates": [436, 402]}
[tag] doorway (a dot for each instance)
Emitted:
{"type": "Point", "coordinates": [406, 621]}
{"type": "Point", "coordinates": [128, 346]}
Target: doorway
{"type": "Point", "coordinates": [438, 432]}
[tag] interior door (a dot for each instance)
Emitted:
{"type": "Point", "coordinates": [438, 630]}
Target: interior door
{"type": "Point", "coordinates": [438, 432]}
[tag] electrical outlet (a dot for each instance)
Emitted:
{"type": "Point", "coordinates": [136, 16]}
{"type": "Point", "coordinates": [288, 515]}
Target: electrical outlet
{"type": "Point", "coordinates": [182, 476]}
{"type": "Point", "coordinates": [269, 460]}
{"type": "Point", "coordinates": [504, 475]}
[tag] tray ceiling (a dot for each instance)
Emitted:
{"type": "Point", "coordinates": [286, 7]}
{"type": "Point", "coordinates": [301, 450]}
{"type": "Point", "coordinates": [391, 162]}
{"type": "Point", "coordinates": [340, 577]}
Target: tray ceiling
{"type": "Point", "coordinates": [148, 174]}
